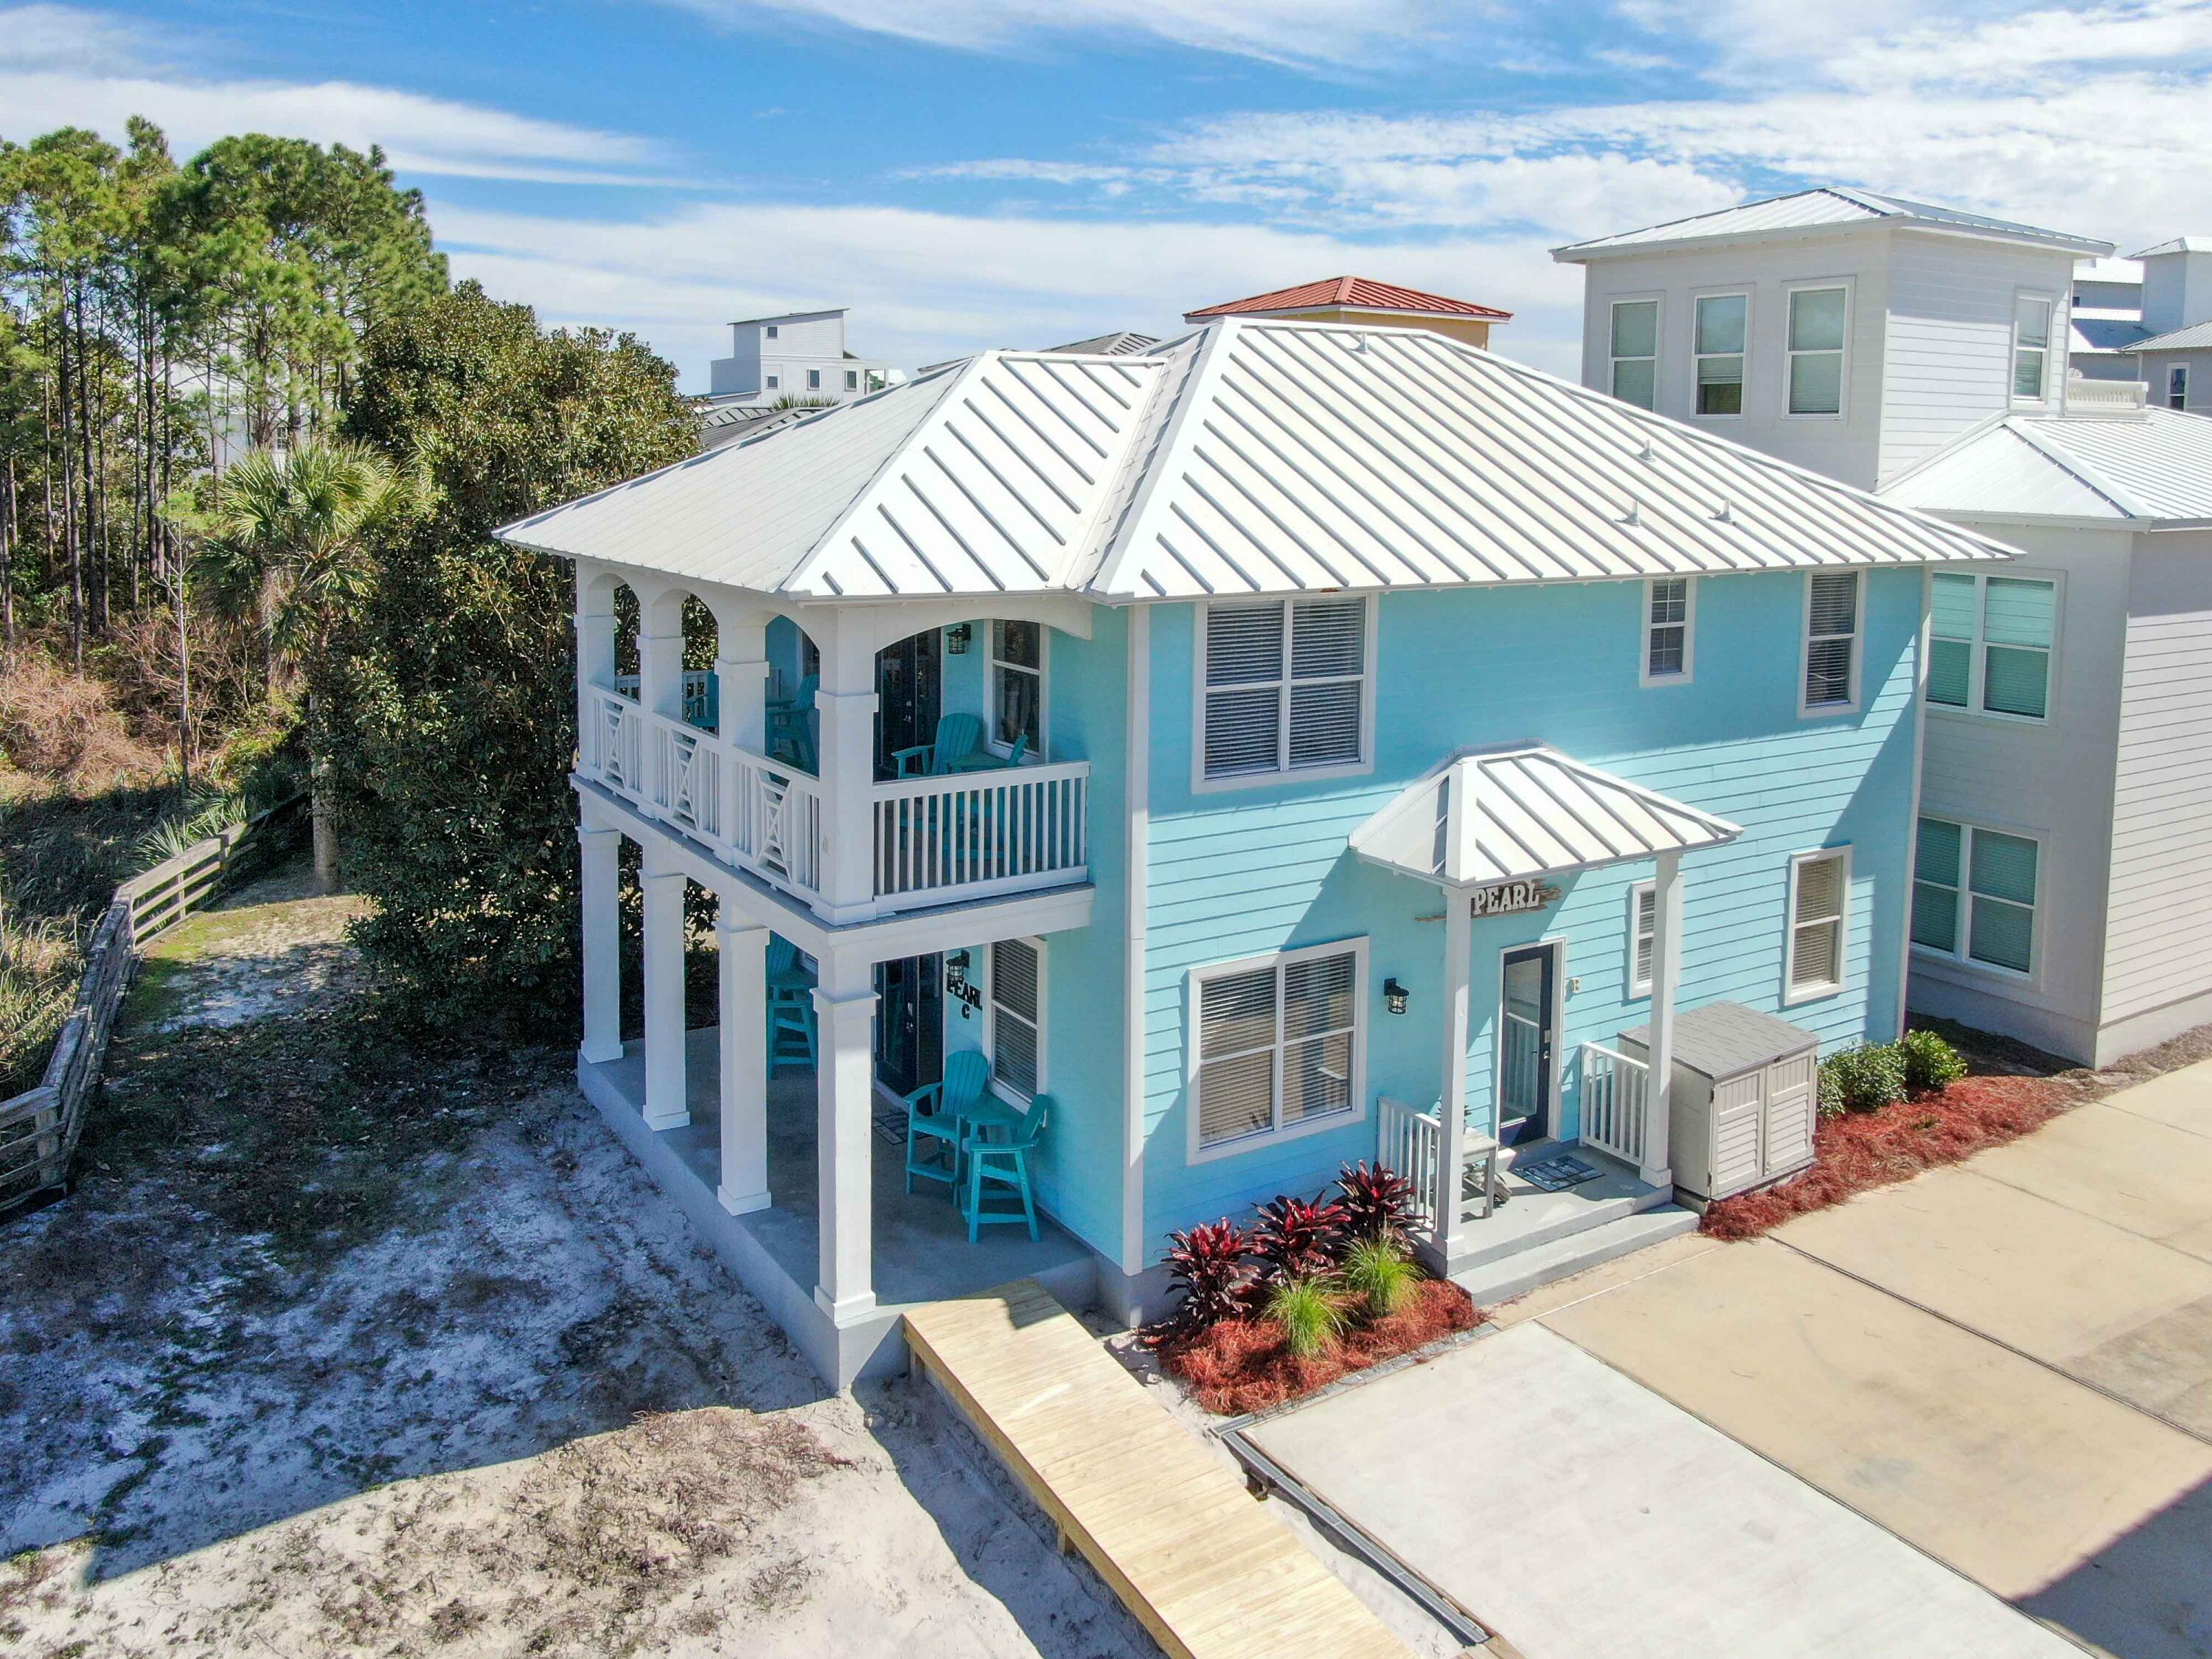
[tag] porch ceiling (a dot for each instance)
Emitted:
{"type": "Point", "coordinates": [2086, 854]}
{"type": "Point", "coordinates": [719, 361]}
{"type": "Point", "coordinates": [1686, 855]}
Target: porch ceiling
{"type": "Point", "coordinates": [1506, 815]}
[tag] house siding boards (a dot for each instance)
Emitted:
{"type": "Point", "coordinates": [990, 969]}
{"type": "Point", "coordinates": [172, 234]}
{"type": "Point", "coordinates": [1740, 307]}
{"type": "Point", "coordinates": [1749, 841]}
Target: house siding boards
{"type": "Point", "coordinates": [1252, 871]}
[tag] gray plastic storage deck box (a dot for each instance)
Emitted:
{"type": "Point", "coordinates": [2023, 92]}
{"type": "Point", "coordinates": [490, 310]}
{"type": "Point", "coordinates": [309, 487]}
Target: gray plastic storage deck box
{"type": "Point", "coordinates": [1743, 1100]}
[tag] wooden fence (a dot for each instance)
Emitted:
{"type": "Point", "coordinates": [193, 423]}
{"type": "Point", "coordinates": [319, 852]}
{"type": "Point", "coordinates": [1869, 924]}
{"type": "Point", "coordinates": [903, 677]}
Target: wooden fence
{"type": "Point", "coordinates": [39, 1128]}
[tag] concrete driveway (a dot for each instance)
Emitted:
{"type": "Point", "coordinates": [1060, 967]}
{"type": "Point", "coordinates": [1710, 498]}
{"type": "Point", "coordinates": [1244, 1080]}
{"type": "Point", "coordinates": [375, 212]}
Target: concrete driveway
{"type": "Point", "coordinates": [2004, 1367]}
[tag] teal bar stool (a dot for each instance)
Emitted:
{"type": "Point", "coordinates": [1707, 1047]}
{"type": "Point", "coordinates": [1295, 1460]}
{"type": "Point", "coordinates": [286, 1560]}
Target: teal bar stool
{"type": "Point", "coordinates": [1004, 1164]}
{"type": "Point", "coordinates": [787, 981]}
{"type": "Point", "coordinates": [791, 1036]}
{"type": "Point", "coordinates": [934, 1114]}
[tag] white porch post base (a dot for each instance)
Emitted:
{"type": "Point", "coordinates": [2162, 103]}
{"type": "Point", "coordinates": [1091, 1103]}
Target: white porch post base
{"type": "Point", "coordinates": [847, 1311]}
{"type": "Point", "coordinates": [845, 1002]}
{"type": "Point", "coordinates": [743, 1069]}
{"type": "Point", "coordinates": [666, 1105]}
{"type": "Point", "coordinates": [1451, 1099]}
{"type": "Point", "coordinates": [1656, 1170]}
{"type": "Point", "coordinates": [602, 943]}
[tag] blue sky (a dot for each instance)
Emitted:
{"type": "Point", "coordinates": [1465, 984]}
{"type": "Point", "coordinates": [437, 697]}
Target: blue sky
{"type": "Point", "coordinates": [975, 173]}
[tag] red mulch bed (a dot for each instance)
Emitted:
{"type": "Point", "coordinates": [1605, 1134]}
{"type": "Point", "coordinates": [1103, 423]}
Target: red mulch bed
{"type": "Point", "coordinates": [1855, 1150]}
{"type": "Point", "coordinates": [1241, 1365]}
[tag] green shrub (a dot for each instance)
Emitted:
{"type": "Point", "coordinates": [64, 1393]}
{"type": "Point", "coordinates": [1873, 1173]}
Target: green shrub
{"type": "Point", "coordinates": [1929, 1062]}
{"type": "Point", "coordinates": [1310, 1314]}
{"type": "Point", "coordinates": [1862, 1080]}
{"type": "Point", "coordinates": [1377, 1272]}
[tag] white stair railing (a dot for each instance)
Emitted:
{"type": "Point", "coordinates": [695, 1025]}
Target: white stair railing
{"type": "Point", "coordinates": [1615, 1094]}
{"type": "Point", "coordinates": [1412, 1141]}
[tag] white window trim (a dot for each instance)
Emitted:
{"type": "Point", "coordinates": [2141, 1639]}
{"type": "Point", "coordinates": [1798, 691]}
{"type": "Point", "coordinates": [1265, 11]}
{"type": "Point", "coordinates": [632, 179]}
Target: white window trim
{"type": "Point", "coordinates": [772, 331]}
{"type": "Point", "coordinates": [1202, 784]}
{"type": "Point", "coordinates": [1011, 1096]}
{"type": "Point", "coordinates": [1957, 957]}
{"type": "Point", "coordinates": [852, 380]}
{"type": "Point", "coordinates": [1791, 997]}
{"type": "Point", "coordinates": [1658, 298]}
{"type": "Point", "coordinates": [1851, 706]}
{"type": "Point", "coordinates": [1194, 982]}
{"type": "Point", "coordinates": [1790, 353]}
{"type": "Point", "coordinates": [2049, 349]}
{"type": "Point", "coordinates": [1976, 674]}
{"type": "Point", "coordinates": [814, 379]}
{"type": "Point", "coordinates": [1645, 677]}
{"type": "Point", "coordinates": [992, 664]}
{"type": "Point", "coordinates": [1637, 892]}
{"type": "Point", "coordinates": [2177, 386]}
{"type": "Point", "coordinates": [1750, 317]}
{"type": "Point", "coordinates": [775, 383]}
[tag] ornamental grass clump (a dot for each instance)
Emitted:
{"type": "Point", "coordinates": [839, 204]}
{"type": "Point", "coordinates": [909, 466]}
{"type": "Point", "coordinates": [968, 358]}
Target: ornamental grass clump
{"type": "Point", "coordinates": [1309, 1313]}
{"type": "Point", "coordinates": [1377, 1273]}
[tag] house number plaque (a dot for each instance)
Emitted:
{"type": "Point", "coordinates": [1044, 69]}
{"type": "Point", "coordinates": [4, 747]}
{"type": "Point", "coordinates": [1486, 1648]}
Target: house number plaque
{"type": "Point", "coordinates": [1510, 898]}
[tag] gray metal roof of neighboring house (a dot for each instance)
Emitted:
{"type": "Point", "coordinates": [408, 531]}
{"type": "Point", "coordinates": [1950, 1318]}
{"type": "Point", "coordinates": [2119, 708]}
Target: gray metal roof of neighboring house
{"type": "Point", "coordinates": [2104, 331]}
{"type": "Point", "coordinates": [1510, 814]}
{"type": "Point", "coordinates": [1830, 206]}
{"type": "Point", "coordinates": [2197, 337]}
{"type": "Point", "coordinates": [2177, 245]}
{"type": "Point", "coordinates": [1122, 343]}
{"type": "Point", "coordinates": [727, 422]}
{"type": "Point", "coordinates": [1726, 1039]}
{"type": "Point", "coordinates": [1253, 457]}
{"type": "Point", "coordinates": [2147, 464]}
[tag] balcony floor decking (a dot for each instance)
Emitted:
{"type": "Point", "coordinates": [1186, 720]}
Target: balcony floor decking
{"type": "Point", "coordinates": [920, 1247]}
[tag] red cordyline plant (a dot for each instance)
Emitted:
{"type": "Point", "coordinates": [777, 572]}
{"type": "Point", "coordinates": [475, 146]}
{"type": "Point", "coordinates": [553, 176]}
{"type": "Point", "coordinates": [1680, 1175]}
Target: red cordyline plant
{"type": "Point", "coordinates": [1297, 1237]}
{"type": "Point", "coordinates": [1377, 1202]}
{"type": "Point", "coordinates": [1210, 1265]}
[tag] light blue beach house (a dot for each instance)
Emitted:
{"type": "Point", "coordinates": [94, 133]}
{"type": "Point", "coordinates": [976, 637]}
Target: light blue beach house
{"type": "Point", "coordinates": [1293, 744]}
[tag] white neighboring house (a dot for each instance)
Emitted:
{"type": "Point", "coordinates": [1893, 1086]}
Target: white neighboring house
{"type": "Point", "coordinates": [2173, 358]}
{"type": "Point", "coordinates": [800, 354]}
{"type": "Point", "coordinates": [2107, 320]}
{"type": "Point", "coordinates": [2063, 888]}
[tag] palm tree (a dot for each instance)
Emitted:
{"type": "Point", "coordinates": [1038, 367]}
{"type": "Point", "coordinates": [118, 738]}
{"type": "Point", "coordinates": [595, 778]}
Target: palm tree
{"type": "Point", "coordinates": [287, 546]}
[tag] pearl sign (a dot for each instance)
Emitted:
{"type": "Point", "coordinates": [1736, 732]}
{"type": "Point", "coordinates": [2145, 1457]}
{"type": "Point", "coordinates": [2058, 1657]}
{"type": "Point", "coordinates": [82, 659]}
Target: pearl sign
{"type": "Point", "coordinates": [1508, 898]}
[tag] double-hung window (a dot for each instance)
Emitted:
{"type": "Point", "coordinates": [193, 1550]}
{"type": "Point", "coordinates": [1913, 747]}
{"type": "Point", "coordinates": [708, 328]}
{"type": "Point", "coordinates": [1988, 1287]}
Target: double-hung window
{"type": "Point", "coordinates": [1016, 1035]}
{"type": "Point", "coordinates": [2031, 348]}
{"type": "Point", "coordinates": [1278, 1044]}
{"type": "Point", "coordinates": [1989, 643]}
{"type": "Point", "coordinates": [1642, 929]}
{"type": "Point", "coordinates": [1635, 349]}
{"type": "Point", "coordinates": [1018, 687]}
{"type": "Point", "coordinates": [1818, 320]}
{"type": "Point", "coordinates": [2177, 387]}
{"type": "Point", "coordinates": [1831, 641]}
{"type": "Point", "coordinates": [1724, 322]}
{"type": "Point", "coordinates": [1669, 613]}
{"type": "Point", "coordinates": [1974, 894]}
{"type": "Point", "coordinates": [1287, 686]}
{"type": "Point", "coordinates": [814, 379]}
{"type": "Point", "coordinates": [1819, 896]}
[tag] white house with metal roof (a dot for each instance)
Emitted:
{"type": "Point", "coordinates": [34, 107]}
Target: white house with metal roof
{"type": "Point", "coordinates": [795, 355]}
{"type": "Point", "coordinates": [1208, 766]}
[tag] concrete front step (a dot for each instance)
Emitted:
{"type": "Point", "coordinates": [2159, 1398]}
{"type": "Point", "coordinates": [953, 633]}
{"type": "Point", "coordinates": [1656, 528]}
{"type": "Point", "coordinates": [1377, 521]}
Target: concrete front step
{"type": "Point", "coordinates": [1500, 1280]}
{"type": "Point", "coordinates": [1533, 1217]}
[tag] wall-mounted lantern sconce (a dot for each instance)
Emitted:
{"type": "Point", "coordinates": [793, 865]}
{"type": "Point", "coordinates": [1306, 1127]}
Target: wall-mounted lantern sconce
{"type": "Point", "coordinates": [1393, 995]}
{"type": "Point", "coordinates": [956, 972]}
{"type": "Point", "coordinates": [955, 639]}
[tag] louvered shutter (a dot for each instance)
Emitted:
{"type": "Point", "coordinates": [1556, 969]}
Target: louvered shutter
{"type": "Point", "coordinates": [1014, 1015]}
{"type": "Point", "coordinates": [1647, 917]}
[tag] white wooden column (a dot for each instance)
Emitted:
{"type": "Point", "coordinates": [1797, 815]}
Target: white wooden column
{"type": "Point", "coordinates": [845, 1002]}
{"type": "Point", "coordinates": [1451, 1100]}
{"type": "Point", "coordinates": [666, 1104]}
{"type": "Point", "coordinates": [660, 672]}
{"type": "Point", "coordinates": [744, 1058]}
{"type": "Point", "coordinates": [845, 703]}
{"type": "Point", "coordinates": [741, 683]}
{"type": "Point", "coordinates": [602, 906]}
{"type": "Point", "coordinates": [595, 660]}
{"type": "Point", "coordinates": [1666, 975]}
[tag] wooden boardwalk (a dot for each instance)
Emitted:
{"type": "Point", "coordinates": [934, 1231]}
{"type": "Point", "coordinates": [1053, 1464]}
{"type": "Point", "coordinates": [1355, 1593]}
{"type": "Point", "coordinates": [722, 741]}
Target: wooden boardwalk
{"type": "Point", "coordinates": [1194, 1556]}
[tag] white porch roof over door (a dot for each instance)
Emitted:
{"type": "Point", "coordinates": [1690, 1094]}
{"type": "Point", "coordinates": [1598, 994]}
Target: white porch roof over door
{"type": "Point", "coordinates": [1510, 814]}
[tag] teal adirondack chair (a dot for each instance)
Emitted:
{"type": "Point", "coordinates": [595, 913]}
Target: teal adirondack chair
{"type": "Point", "coordinates": [933, 1117]}
{"type": "Point", "coordinates": [1004, 1164]}
{"type": "Point", "coordinates": [791, 725]}
{"type": "Point", "coordinates": [958, 747]}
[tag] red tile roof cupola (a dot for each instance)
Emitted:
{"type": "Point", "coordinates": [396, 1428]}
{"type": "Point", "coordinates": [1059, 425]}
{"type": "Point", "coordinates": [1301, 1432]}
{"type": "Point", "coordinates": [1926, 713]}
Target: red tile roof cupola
{"type": "Point", "coordinates": [1350, 294]}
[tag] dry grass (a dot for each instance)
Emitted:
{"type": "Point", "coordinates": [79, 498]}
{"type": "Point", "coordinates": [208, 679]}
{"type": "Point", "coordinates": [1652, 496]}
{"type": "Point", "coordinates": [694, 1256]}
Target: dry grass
{"type": "Point", "coordinates": [1242, 1365]}
{"type": "Point", "coordinates": [68, 731]}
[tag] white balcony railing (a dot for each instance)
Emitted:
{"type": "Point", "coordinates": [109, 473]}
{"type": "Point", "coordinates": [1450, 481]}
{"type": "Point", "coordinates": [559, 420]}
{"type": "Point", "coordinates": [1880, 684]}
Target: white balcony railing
{"type": "Point", "coordinates": [936, 840]}
{"type": "Point", "coordinates": [1616, 1092]}
{"type": "Point", "coordinates": [1411, 1143]}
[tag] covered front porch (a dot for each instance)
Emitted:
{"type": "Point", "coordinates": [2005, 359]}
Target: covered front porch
{"type": "Point", "coordinates": [921, 1249]}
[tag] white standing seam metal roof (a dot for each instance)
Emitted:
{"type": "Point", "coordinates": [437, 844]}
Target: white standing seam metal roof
{"type": "Point", "coordinates": [1507, 814]}
{"type": "Point", "coordinates": [2145, 465]}
{"type": "Point", "coordinates": [1252, 458]}
{"type": "Point", "coordinates": [1829, 208]}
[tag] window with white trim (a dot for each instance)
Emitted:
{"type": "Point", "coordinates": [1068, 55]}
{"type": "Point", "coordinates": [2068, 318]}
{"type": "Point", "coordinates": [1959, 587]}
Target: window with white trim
{"type": "Point", "coordinates": [1635, 352]}
{"type": "Point", "coordinates": [1831, 641]}
{"type": "Point", "coordinates": [1818, 320]}
{"type": "Point", "coordinates": [814, 379]}
{"type": "Point", "coordinates": [1820, 892]}
{"type": "Point", "coordinates": [1989, 643]}
{"type": "Point", "coordinates": [2031, 347]}
{"type": "Point", "coordinates": [1286, 686]}
{"type": "Point", "coordinates": [1721, 338]}
{"type": "Point", "coordinates": [774, 381]}
{"type": "Point", "coordinates": [1670, 614]}
{"type": "Point", "coordinates": [1016, 1034]}
{"type": "Point", "coordinates": [1278, 1044]}
{"type": "Point", "coordinates": [2177, 387]}
{"type": "Point", "coordinates": [771, 330]}
{"type": "Point", "coordinates": [1016, 672]}
{"type": "Point", "coordinates": [1642, 929]}
{"type": "Point", "coordinates": [852, 380]}
{"type": "Point", "coordinates": [1974, 894]}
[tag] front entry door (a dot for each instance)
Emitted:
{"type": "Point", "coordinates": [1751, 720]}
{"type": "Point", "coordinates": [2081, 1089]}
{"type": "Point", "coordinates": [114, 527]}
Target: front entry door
{"type": "Point", "coordinates": [909, 679]}
{"type": "Point", "coordinates": [910, 1022]}
{"type": "Point", "coordinates": [1525, 1038]}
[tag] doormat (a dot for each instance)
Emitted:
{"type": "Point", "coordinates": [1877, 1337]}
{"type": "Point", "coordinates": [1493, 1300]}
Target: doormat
{"type": "Point", "coordinates": [1556, 1175]}
{"type": "Point", "coordinates": [890, 1125]}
